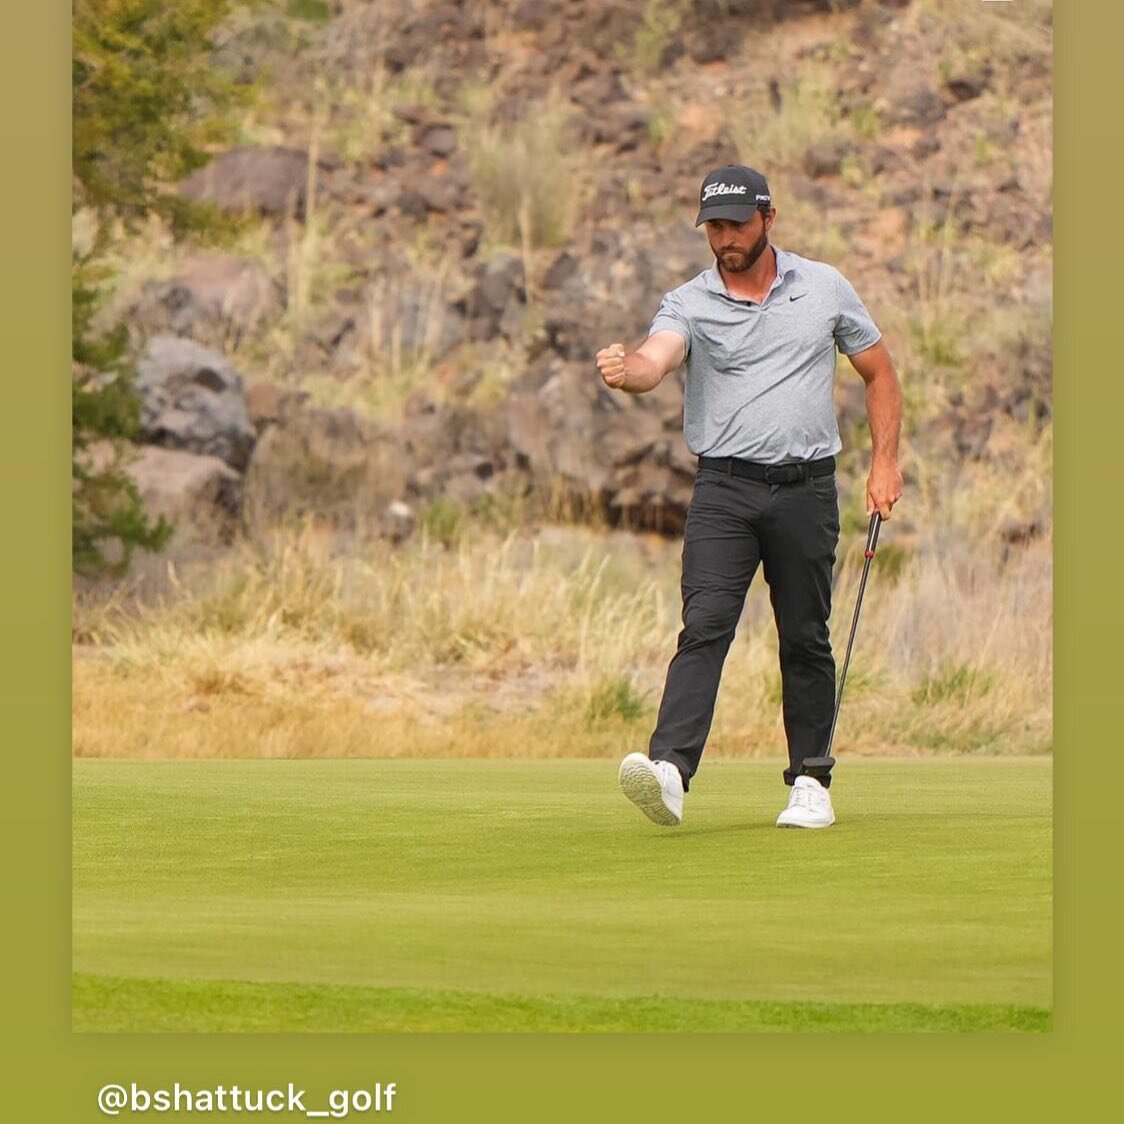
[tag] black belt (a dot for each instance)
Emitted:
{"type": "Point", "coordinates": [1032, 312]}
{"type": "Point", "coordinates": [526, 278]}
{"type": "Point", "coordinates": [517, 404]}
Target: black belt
{"type": "Point", "coordinates": [794, 473]}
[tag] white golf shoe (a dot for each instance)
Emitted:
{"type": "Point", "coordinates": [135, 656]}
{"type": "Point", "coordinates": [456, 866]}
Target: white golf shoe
{"type": "Point", "coordinates": [655, 787]}
{"type": "Point", "coordinates": [809, 805]}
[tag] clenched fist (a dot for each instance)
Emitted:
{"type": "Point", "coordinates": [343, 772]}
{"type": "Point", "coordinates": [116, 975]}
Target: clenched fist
{"type": "Point", "coordinates": [610, 362]}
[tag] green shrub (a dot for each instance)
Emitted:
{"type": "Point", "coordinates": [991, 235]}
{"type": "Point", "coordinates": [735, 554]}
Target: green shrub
{"type": "Point", "coordinates": [659, 23]}
{"type": "Point", "coordinates": [616, 699]}
{"type": "Point", "coordinates": [146, 105]}
{"type": "Point", "coordinates": [312, 11]}
{"type": "Point", "coordinates": [952, 683]}
{"type": "Point", "coordinates": [442, 520]}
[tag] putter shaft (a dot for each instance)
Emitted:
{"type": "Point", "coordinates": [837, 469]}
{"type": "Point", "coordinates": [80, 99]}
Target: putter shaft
{"type": "Point", "coordinates": [871, 543]}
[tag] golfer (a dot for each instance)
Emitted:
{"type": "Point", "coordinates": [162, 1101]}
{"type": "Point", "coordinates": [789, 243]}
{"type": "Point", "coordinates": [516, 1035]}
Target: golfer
{"type": "Point", "coordinates": [758, 331]}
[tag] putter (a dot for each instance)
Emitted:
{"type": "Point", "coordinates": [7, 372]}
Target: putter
{"type": "Point", "coordinates": [820, 766]}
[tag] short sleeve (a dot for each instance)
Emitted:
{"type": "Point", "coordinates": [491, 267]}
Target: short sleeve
{"type": "Point", "coordinates": [854, 329]}
{"type": "Point", "coordinates": [670, 318]}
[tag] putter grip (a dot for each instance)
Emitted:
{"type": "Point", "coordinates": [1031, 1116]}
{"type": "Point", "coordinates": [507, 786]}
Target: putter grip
{"type": "Point", "coordinates": [872, 534]}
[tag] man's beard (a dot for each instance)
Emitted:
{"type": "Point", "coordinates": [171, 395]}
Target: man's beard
{"type": "Point", "coordinates": [747, 258]}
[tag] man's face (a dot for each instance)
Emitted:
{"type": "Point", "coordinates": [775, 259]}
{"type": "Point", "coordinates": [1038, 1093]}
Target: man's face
{"type": "Point", "coordinates": [737, 245]}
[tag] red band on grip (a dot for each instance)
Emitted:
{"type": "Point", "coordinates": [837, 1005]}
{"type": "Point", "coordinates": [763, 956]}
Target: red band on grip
{"type": "Point", "coordinates": [868, 553]}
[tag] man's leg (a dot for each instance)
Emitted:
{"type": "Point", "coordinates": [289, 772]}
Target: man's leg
{"type": "Point", "coordinates": [798, 540]}
{"type": "Point", "coordinates": [720, 556]}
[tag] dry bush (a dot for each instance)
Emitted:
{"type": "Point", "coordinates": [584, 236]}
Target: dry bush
{"type": "Point", "coordinates": [1002, 36]}
{"type": "Point", "coordinates": [777, 139]}
{"type": "Point", "coordinates": [549, 645]}
{"type": "Point", "coordinates": [528, 175]}
{"type": "Point", "coordinates": [658, 26]}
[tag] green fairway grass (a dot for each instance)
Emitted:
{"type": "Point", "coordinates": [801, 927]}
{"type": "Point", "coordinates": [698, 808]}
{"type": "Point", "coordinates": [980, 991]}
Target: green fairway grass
{"type": "Point", "coordinates": [530, 896]}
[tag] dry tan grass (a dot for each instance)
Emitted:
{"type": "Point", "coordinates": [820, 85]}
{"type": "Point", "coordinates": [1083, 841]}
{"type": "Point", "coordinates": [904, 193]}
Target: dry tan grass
{"type": "Point", "coordinates": [552, 645]}
{"type": "Point", "coordinates": [529, 176]}
{"type": "Point", "coordinates": [778, 139]}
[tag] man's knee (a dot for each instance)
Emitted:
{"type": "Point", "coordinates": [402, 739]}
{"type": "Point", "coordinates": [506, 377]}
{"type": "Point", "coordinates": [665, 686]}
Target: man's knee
{"type": "Point", "coordinates": [808, 640]}
{"type": "Point", "coordinates": [710, 620]}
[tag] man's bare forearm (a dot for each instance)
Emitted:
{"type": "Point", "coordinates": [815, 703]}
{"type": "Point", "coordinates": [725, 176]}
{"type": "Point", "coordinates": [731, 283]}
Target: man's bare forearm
{"type": "Point", "coordinates": [884, 414]}
{"type": "Point", "coordinates": [644, 369]}
{"type": "Point", "coordinates": [641, 373]}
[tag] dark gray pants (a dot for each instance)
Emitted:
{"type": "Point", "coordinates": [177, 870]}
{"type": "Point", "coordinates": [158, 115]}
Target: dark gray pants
{"type": "Point", "coordinates": [732, 525]}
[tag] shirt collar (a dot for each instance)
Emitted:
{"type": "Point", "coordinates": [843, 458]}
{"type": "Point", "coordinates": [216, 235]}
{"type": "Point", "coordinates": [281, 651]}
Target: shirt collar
{"type": "Point", "coordinates": [786, 264]}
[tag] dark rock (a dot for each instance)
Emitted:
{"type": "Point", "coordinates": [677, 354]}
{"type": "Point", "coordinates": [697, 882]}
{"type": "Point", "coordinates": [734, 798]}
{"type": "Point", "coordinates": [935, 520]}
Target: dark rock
{"type": "Point", "coordinates": [413, 113]}
{"type": "Point", "coordinates": [215, 299]}
{"type": "Point", "coordinates": [965, 85]}
{"type": "Point", "coordinates": [393, 157]}
{"type": "Point", "coordinates": [919, 106]}
{"type": "Point", "coordinates": [905, 196]}
{"type": "Point", "coordinates": [412, 204]}
{"type": "Point", "coordinates": [440, 194]}
{"type": "Point", "coordinates": [672, 53]}
{"type": "Point", "coordinates": [598, 89]}
{"type": "Point", "coordinates": [826, 158]}
{"type": "Point", "coordinates": [192, 399]}
{"type": "Point", "coordinates": [712, 42]}
{"type": "Point", "coordinates": [626, 130]}
{"type": "Point", "coordinates": [561, 270]}
{"type": "Point", "coordinates": [925, 147]}
{"type": "Point", "coordinates": [533, 15]}
{"type": "Point", "coordinates": [502, 280]}
{"type": "Point", "coordinates": [269, 181]}
{"type": "Point", "coordinates": [440, 140]}
{"type": "Point", "coordinates": [499, 289]}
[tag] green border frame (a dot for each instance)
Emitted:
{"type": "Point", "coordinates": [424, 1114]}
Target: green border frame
{"type": "Point", "coordinates": [54, 1074]}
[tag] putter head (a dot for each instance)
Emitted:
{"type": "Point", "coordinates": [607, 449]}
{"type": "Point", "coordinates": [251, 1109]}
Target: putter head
{"type": "Point", "coordinates": [817, 766]}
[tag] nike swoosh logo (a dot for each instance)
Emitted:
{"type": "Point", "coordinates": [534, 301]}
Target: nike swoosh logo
{"type": "Point", "coordinates": [796, 296]}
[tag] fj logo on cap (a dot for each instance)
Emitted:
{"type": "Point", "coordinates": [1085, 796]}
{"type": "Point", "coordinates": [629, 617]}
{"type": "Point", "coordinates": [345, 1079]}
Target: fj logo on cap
{"type": "Point", "coordinates": [723, 189]}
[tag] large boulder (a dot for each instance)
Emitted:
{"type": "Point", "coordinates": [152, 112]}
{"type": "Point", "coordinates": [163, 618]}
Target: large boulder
{"type": "Point", "coordinates": [620, 453]}
{"type": "Point", "coordinates": [200, 496]}
{"type": "Point", "coordinates": [267, 181]}
{"type": "Point", "coordinates": [214, 298]}
{"type": "Point", "coordinates": [497, 299]}
{"type": "Point", "coordinates": [192, 399]}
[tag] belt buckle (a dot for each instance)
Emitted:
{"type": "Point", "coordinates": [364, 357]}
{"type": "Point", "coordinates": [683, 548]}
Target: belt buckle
{"type": "Point", "coordinates": [784, 473]}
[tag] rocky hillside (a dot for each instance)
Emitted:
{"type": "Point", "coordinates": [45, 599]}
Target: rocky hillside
{"type": "Point", "coordinates": [453, 205]}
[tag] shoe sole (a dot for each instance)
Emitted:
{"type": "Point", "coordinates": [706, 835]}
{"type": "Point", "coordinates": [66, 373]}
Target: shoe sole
{"type": "Point", "coordinates": [806, 826]}
{"type": "Point", "coordinates": [643, 788]}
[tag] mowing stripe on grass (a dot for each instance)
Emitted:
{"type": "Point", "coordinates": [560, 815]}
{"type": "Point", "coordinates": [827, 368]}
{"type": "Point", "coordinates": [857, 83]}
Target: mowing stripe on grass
{"type": "Point", "coordinates": [106, 1004]}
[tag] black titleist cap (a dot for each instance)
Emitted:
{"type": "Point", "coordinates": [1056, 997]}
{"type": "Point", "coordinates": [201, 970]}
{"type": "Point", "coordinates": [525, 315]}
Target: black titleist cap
{"type": "Point", "coordinates": [733, 192]}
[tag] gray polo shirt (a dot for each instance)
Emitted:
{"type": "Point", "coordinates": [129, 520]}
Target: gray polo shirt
{"type": "Point", "coordinates": [760, 376]}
